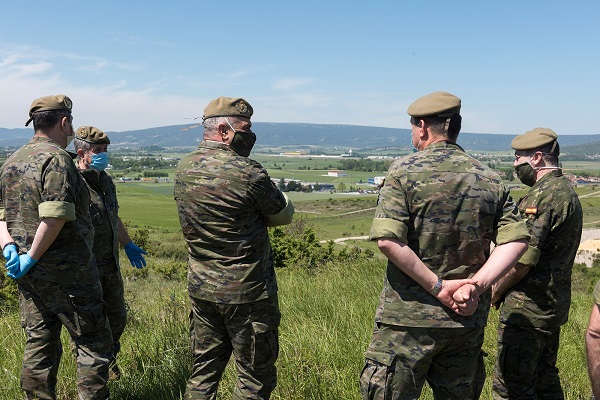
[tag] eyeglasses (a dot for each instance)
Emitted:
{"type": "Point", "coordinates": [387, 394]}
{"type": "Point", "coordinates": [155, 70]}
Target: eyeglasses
{"type": "Point", "coordinates": [545, 154]}
{"type": "Point", "coordinates": [518, 156]}
{"type": "Point", "coordinates": [234, 130]}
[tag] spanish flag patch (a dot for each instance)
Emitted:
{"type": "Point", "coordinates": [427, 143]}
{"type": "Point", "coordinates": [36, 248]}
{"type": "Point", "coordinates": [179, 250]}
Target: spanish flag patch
{"type": "Point", "coordinates": [531, 210]}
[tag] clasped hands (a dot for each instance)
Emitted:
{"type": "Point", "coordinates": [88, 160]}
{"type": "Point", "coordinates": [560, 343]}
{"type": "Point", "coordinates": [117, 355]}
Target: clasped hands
{"type": "Point", "coordinates": [461, 295]}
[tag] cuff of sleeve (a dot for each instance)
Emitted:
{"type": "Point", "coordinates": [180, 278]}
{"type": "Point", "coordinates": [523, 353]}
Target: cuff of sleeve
{"type": "Point", "coordinates": [57, 209]}
{"type": "Point", "coordinates": [2, 215]}
{"type": "Point", "coordinates": [388, 228]}
{"type": "Point", "coordinates": [284, 216]}
{"type": "Point", "coordinates": [512, 232]}
{"type": "Point", "coordinates": [531, 256]}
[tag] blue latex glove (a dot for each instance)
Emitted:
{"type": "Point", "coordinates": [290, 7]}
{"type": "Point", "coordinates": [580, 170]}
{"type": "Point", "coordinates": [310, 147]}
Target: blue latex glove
{"type": "Point", "coordinates": [134, 254]}
{"type": "Point", "coordinates": [25, 264]}
{"type": "Point", "coordinates": [11, 255]}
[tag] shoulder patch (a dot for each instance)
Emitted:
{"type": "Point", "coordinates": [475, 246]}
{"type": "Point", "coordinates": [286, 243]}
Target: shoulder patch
{"type": "Point", "coordinates": [531, 210]}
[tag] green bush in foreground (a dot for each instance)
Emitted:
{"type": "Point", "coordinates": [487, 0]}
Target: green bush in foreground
{"type": "Point", "coordinates": [297, 245]}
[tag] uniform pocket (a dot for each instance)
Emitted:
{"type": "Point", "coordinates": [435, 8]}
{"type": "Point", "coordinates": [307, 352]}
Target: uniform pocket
{"type": "Point", "coordinates": [515, 361]}
{"type": "Point", "coordinates": [265, 343]}
{"type": "Point", "coordinates": [375, 376]}
{"type": "Point", "coordinates": [384, 377]}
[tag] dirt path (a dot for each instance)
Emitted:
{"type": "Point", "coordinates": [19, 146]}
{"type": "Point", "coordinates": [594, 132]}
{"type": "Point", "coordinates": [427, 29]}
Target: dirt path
{"type": "Point", "coordinates": [588, 247]}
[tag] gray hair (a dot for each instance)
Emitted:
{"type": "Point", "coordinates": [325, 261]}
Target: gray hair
{"type": "Point", "coordinates": [210, 126]}
{"type": "Point", "coordinates": [81, 144]}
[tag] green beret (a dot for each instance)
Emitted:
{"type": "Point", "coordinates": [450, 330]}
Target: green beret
{"type": "Point", "coordinates": [436, 104]}
{"type": "Point", "coordinates": [533, 139]}
{"type": "Point", "coordinates": [92, 135]}
{"type": "Point", "coordinates": [49, 103]}
{"type": "Point", "coordinates": [228, 107]}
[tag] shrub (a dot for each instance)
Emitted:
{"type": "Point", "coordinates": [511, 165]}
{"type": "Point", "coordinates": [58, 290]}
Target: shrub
{"type": "Point", "coordinates": [171, 246]}
{"type": "Point", "coordinates": [296, 245]}
{"type": "Point", "coordinates": [9, 296]}
{"type": "Point", "coordinates": [170, 269]}
{"type": "Point", "coordinates": [141, 237]}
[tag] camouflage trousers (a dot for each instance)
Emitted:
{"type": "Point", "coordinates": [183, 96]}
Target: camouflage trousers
{"type": "Point", "coordinates": [249, 331]}
{"type": "Point", "coordinates": [114, 297]}
{"type": "Point", "coordinates": [526, 363]}
{"type": "Point", "coordinates": [400, 359]}
{"type": "Point", "coordinates": [45, 308]}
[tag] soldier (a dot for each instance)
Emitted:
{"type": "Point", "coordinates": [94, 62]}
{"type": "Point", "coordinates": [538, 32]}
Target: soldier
{"type": "Point", "coordinates": [226, 201]}
{"type": "Point", "coordinates": [592, 343]}
{"type": "Point", "coordinates": [44, 209]}
{"type": "Point", "coordinates": [438, 211]}
{"type": "Point", "coordinates": [91, 145]}
{"type": "Point", "coordinates": [537, 291]}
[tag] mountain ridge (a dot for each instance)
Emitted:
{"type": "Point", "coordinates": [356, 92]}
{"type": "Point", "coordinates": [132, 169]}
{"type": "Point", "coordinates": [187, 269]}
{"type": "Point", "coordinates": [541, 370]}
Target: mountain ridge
{"type": "Point", "coordinates": [298, 134]}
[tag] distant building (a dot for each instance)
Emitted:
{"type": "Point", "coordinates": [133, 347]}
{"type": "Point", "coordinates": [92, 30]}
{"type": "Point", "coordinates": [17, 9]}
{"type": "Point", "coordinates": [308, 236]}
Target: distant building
{"type": "Point", "coordinates": [319, 185]}
{"type": "Point", "coordinates": [337, 173]}
{"type": "Point", "coordinates": [376, 181]}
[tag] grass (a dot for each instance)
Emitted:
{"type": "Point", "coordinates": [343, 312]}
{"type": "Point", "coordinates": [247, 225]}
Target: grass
{"type": "Point", "coordinates": [327, 319]}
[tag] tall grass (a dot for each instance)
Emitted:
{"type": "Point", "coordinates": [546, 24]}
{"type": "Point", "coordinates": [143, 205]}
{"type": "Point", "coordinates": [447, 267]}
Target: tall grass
{"type": "Point", "coordinates": [327, 319]}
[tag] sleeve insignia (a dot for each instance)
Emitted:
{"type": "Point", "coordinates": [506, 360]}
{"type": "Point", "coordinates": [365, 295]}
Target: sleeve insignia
{"type": "Point", "coordinates": [531, 210]}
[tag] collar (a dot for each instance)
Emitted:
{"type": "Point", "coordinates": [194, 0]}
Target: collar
{"type": "Point", "coordinates": [212, 144]}
{"type": "Point", "coordinates": [42, 139]}
{"type": "Point", "coordinates": [443, 145]}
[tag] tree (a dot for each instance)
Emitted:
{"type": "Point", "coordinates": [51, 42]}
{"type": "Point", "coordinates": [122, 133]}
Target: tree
{"type": "Point", "coordinates": [341, 187]}
{"type": "Point", "coordinates": [294, 186]}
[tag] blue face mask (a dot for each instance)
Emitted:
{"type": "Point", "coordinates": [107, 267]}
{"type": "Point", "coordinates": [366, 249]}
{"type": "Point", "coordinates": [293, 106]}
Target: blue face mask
{"type": "Point", "coordinates": [99, 161]}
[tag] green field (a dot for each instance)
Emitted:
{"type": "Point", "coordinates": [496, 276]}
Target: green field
{"type": "Point", "coordinates": [327, 312]}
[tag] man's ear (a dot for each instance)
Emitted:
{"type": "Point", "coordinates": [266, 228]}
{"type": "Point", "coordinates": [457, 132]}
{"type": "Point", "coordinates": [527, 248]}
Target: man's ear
{"type": "Point", "coordinates": [80, 153]}
{"type": "Point", "coordinates": [537, 159]}
{"type": "Point", "coordinates": [223, 130]}
{"type": "Point", "coordinates": [63, 122]}
{"type": "Point", "coordinates": [423, 131]}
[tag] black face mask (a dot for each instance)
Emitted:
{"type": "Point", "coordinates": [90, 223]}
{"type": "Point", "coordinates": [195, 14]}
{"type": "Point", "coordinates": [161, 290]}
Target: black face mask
{"type": "Point", "coordinates": [526, 174]}
{"type": "Point", "coordinates": [243, 142]}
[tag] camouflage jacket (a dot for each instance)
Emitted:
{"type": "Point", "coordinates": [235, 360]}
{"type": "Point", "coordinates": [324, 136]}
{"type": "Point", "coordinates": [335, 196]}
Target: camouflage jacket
{"type": "Point", "coordinates": [104, 212]}
{"type": "Point", "coordinates": [554, 218]}
{"type": "Point", "coordinates": [222, 199]}
{"type": "Point", "coordinates": [39, 181]}
{"type": "Point", "coordinates": [447, 207]}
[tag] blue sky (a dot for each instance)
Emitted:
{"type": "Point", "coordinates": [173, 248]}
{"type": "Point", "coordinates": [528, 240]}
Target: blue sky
{"type": "Point", "coordinates": [130, 64]}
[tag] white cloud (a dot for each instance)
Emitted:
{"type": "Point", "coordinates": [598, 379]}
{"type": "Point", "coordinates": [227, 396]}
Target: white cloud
{"type": "Point", "coordinates": [291, 83]}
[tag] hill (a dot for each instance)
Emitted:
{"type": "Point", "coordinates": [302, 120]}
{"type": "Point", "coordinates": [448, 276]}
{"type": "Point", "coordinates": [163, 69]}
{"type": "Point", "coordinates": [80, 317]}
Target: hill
{"type": "Point", "coordinates": [302, 134]}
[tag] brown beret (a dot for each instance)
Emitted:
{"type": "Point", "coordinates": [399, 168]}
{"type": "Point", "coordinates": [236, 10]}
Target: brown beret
{"type": "Point", "coordinates": [438, 104]}
{"type": "Point", "coordinates": [533, 139]}
{"type": "Point", "coordinates": [228, 107]}
{"type": "Point", "coordinates": [49, 103]}
{"type": "Point", "coordinates": [92, 135]}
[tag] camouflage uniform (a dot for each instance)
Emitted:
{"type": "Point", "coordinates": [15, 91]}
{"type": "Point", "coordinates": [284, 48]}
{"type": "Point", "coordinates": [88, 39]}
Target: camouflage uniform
{"type": "Point", "coordinates": [536, 307]}
{"type": "Point", "coordinates": [104, 213]}
{"type": "Point", "coordinates": [448, 208]}
{"type": "Point", "coordinates": [39, 181]}
{"type": "Point", "coordinates": [222, 200]}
